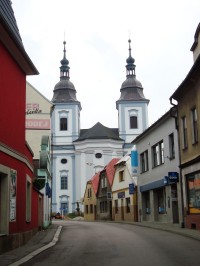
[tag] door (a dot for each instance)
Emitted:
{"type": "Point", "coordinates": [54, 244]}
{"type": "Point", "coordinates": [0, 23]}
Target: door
{"type": "Point", "coordinates": [174, 196]}
{"type": "Point", "coordinates": [122, 209]}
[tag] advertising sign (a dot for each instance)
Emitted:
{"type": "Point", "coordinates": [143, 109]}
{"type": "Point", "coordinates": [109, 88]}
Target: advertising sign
{"type": "Point", "coordinates": [131, 188]}
{"type": "Point", "coordinates": [121, 195]}
{"type": "Point", "coordinates": [13, 190]}
{"type": "Point", "coordinates": [172, 177]}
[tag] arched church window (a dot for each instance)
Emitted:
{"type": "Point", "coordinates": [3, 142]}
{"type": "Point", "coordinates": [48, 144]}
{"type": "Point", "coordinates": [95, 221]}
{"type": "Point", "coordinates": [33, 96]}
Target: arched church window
{"type": "Point", "coordinates": [63, 123]}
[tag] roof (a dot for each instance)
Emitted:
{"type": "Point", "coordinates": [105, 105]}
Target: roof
{"type": "Point", "coordinates": [10, 37]}
{"type": "Point", "coordinates": [95, 182]}
{"type": "Point", "coordinates": [152, 127]}
{"type": "Point", "coordinates": [110, 170]}
{"type": "Point", "coordinates": [195, 38]}
{"type": "Point", "coordinates": [189, 81]}
{"type": "Point", "coordinates": [98, 131]}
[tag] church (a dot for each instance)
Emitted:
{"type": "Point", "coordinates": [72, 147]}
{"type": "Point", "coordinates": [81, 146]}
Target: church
{"type": "Point", "coordinates": [77, 154]}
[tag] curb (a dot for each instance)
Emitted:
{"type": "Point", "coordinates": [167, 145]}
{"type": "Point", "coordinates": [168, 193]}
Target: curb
{"type": "Point", "coordinates": [39, 250]}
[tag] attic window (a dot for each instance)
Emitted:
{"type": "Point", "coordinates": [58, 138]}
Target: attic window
{"type": "Point", "coordinates": [63, 161]}
{"type": "Point", "coordinates": [98, 155]}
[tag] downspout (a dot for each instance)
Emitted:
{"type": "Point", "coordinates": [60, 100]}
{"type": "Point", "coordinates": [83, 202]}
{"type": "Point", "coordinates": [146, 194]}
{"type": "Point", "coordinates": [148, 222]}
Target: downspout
{"type": "Point", "coordinates": [174, 114]}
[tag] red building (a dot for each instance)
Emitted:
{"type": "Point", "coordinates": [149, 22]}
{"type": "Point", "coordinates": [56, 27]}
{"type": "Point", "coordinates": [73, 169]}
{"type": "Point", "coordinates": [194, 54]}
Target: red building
{"type": "Point", "coordinates": [20, 202]}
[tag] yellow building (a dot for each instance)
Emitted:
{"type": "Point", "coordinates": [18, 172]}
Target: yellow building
{"type": "Point", "coordinates": [90, 200]}
{"type": "Point", "coordinates": [124, 192]}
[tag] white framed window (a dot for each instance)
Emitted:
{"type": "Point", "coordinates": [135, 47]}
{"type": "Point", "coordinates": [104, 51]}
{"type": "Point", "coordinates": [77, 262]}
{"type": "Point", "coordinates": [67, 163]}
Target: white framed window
{"type": "Point", "coordinates": [144, 161]}
{"type": "Point", "coordinates": [133, 118]}
{"type": "Point", "coordinates": [64, 180]}
{"type": "Point", "coordinates": [28, 198]}
{"type": "Point", "coordinates": [63, 120]}
{"type": "Point", "coordinates": [158, 154]}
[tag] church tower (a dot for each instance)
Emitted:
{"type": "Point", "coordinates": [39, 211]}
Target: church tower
{"type": "Point", "coordinates": [65, 125]}
{"type": "Point", "coordinates": [132, 106]}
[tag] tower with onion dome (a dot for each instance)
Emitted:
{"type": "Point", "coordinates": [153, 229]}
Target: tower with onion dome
{"type": "Point", "coordinates": [132, 106]}
{"type": "Point", "coordinates": [65, 125]}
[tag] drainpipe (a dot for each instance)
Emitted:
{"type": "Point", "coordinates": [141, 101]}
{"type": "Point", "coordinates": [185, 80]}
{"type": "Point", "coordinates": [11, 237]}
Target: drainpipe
{"type": "Point", "coordinates": [174, 114]}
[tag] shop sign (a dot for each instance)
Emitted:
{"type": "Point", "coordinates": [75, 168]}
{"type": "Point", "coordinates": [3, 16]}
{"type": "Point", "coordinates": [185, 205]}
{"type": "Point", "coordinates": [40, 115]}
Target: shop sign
{"type": "Point", "coordinates": [172, 177]}
{"type": "Point", "coordinates": [37, 123]}
{"type": "Point", "coordinates": [33, 108]}
{"type": "Point", "coordinates": [121, 195]}
{"type": "Point", "coordinates": [131, 188]}
{"type": "Point", "coordinates": [13, 190]}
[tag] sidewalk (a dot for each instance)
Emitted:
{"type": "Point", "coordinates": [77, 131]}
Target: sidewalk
{"type": "Point", "coordinates": [48, 238]}
{"type": "Point", "coordinates": [39, 242]}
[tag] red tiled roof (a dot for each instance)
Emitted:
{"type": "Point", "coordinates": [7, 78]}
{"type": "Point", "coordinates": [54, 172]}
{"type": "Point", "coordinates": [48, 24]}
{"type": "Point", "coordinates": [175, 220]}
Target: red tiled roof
{"type": "Point", "coordinates": [95, 182]}
{"type": "Point", "coordinates": [110, 170]}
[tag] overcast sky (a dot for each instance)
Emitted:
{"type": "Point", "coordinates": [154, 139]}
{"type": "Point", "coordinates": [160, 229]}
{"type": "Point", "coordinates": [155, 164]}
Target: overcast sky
{"type": "Point", "coordinates": [96, 34]}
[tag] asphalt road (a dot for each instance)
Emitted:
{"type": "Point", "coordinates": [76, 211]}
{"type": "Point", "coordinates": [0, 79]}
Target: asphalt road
{"type": "Point", "coordinates": [99, 243]}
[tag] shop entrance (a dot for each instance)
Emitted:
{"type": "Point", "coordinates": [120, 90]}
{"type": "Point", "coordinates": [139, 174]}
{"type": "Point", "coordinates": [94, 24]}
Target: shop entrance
{"type": "Point", "coordinates": [174, 197]}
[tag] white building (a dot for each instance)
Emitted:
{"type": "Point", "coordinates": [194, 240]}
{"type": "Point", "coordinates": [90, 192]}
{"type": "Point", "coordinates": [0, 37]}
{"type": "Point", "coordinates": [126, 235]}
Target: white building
{"type": "Point", "coordinates": [159, 192]}
{"type": "Point", "coordinates": [79, 153]}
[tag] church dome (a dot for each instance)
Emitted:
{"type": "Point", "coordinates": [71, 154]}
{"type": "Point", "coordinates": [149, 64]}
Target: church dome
{"type": "Point", "coordinates": [64, 90]}
{"type": "Point", "coordinates": [131, 88]}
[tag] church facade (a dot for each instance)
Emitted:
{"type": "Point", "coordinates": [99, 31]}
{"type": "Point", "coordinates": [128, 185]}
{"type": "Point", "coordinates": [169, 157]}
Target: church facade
{"type": "Point", "coordinates": [77, 154]}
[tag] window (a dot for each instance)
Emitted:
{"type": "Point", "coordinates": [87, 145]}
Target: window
{"type": "Point", "coordinates": [98, 155]}
{"type": "Point", "coordinates": [147, 202]}
{"type": "Point", "coordinates": [193, 186]}
{"type": "Point", "coordinates": [89, 192]}
{"type": "Point", "coordinates": [64, 182]}
{"type": "Point", "coordinates": [116, 206]}
{"type": "Point", "coordinates": [63, 123]}
{"type": "Point", "coordinates": [128, 203]}
{"type": "Point", "coordinates": [133, 122]}
{"type": "Point", "coordinates": [133, 118]}
{"type": "Point", "coordinates": [144, 162]}
{"type": "Point", "coordinates": [158, 154]}
{"type": "Point", "coordinates": [86, 209]}
{"type": "Point", "coordinates": [121, 176]}
{"type": "Point", "coordinates": [171, 146]}
{"type": "Point", "coordinates": [161, 201]}
{"type": "Point", "coordinates": [103, 182]}
{"type": "Point", "coordinates": [91, 208]}
{"type": "Point", "coordinates": [194, 126]}
{"type": "Point", "coordinates": [63, 161]}
{"type": "Point", "coordinates": [28, 199]}
{"type": "Point", "coordinates": [184, 133]}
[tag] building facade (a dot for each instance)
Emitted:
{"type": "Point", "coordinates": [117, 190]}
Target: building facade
{"type": "Point", "coordinates": [78, 153]}
{"type": "Point", "coordinates": [186, 101]}
{"type": "Point", "coordinates": [124, 192]}
{"type": "Point", "coordinates": [20, 201]}
{"type": "Point", "coordinates": [38, 135]}
{"type": "Point", "coordinates": [159, 190]}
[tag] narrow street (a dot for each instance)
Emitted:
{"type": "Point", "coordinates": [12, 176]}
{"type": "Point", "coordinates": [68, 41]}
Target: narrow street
{"type": "Point", "coordinates": [99, 243]}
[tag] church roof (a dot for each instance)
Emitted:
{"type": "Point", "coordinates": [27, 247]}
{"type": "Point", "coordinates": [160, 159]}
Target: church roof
{"type": "Point", "coordinates": [10, 37]}
{"type": "Point", "coordinates": [98, 131]}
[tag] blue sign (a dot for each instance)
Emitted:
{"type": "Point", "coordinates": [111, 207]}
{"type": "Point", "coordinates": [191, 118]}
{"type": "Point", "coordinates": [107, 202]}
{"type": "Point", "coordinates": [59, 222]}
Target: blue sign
{"type": "Point", "coordinates": [121, 195]}
{"type": "Point", "coordinates": [173, 177]}
{"type": "Point", "coordinates": [131, 188]}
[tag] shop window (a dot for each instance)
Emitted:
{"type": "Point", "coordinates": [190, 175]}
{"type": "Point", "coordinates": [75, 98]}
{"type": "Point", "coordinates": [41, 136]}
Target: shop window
{"type": "Point", "coordinates": [128, 203]}
{"type": "Point", "coordinates": [193, 186]}
{"type": "Point", "coordinates": [161, 201]}
{"type": "Point", "coordinates": [144, 161]}
{"type": "Point", "coordinates": [194, 125]}
{"type": "Point", "coordinates": [147, 202]}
